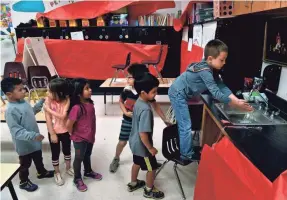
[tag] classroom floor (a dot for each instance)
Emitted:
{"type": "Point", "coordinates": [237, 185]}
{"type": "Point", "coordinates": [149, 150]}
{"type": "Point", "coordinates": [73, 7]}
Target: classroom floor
{"type": "Point", "coordinates": [113, 186]}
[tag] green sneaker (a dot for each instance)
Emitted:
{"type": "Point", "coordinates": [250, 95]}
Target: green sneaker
{"type": "Point", "coordinates": [114, 165]}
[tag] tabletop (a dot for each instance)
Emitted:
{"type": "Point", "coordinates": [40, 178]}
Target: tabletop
{"type": "Point", "coordinates": [8, 171]}
{"type": "Point", "coordinates": [122, 82]}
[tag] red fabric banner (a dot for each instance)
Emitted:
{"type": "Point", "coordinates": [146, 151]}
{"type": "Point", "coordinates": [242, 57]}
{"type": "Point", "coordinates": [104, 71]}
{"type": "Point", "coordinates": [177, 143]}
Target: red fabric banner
{"type": "Point", "coordinates": [188, 57]}
{"type": "Point", "coordinates": [94, 59]}
{"type": "Point", "coordinates": [92, 9]}
{"type": "Point", "coordinates": [179, 23]}
{"type": "Point", "coordinates": [225, 173]}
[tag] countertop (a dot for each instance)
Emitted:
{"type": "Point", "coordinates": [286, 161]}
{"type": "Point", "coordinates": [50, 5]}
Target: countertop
{"type": "Point", "coordinates": [266, 149]}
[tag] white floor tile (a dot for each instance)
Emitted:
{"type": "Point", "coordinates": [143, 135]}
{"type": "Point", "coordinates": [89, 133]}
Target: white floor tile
{"type": "Point", "coordinates": [113, 186]}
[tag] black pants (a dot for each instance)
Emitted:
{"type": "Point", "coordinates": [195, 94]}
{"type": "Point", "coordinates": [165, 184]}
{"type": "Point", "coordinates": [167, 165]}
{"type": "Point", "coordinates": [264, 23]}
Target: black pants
{"type": "Point", "coordinates": [83, 151]}
{"type": "Point", "coordinates": [25, 164]}
{"type": "Point", "coordinates": [66, 148]}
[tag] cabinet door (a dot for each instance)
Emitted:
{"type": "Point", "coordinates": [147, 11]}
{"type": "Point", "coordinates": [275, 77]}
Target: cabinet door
{"type": "Point", "coordinates": [258, 6]}
{"type": "Point", "coordinates": [283, 3]}
{"type": "Point", "coordinates": [241, 7]}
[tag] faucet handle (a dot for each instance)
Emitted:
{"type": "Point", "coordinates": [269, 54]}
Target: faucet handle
{"type": "Point", "coordinates": [272, 115]}
{"type": "Point", "coordinates": [266, 111]}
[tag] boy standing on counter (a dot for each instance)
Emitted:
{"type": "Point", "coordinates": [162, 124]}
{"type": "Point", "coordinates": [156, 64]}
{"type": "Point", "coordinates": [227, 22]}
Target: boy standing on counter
{"type": "Point", "coordinates": [20, 117]}
{"type": "Point", "coordinates": [195, 80]}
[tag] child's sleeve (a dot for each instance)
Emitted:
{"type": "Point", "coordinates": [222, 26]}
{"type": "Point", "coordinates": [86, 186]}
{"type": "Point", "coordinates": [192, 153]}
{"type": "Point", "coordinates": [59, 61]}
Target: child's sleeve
{"type": "Point", "coordinates": [123, 97]}
{"type": "Point", "coordinates": [38, 106]}
{"type": "Point", "coordinates": [74, 113]}
{"type": "Point", "coordinates": [18, 132]}
{"type": "Point", "coordinates": [223, 88]}
{"type": "Point", "coordinates": [145, 122]}
{"type": "Point", "coordinates": [213, 88]}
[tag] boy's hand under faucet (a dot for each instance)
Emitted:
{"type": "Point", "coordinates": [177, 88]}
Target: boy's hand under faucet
{"type": "Point", "coordinates": [240, 103]}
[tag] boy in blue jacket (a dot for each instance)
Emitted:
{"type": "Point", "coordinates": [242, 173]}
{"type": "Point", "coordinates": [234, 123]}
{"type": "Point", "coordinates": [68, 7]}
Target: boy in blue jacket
{"type": "Point", "coordinates": [20, 117]}
{"type": "Point", "coordinates": [195, 80]}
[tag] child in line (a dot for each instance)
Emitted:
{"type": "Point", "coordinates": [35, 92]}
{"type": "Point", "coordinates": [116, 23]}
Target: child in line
{"type": "Point", "coordinates": [82, 126]}
{"type": "Point", "coordinates": [56, 110]}
{"type": "Point", "coordinates": [128, 98]}
{"type": "Point", "coordinates": [140, 140]}
{"type": "Point", "coordinates": [197, 79]}
{"type": "Point", "coordinates": [20, 117]}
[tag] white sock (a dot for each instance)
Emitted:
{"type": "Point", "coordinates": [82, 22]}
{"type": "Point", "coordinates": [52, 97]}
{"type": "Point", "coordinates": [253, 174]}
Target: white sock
{"type": "Point", "coordinates": [134, 183]}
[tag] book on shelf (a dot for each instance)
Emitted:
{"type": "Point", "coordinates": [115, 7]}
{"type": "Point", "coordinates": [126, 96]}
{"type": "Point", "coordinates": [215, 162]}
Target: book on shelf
{"type": "Point", "coordinates": [63, 23]}
{"type": "Point", "coordinates": [85, 23]}
{"type": "Point", "coordinates": [156, 20]}
{"type": "Point", "coordinates": [52, 23]}
{"type": "Point", "coordinates": [40, 22]}
{"type": "Point", "coordinates": [73, 23]}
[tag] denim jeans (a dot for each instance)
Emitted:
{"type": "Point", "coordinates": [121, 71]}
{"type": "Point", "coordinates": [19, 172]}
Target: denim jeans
{"type": "Point", "coordinates": [183, 120]}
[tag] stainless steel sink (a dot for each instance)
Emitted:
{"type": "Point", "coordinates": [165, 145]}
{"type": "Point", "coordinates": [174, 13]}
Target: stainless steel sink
{"type": "Point", "coordinates": [256, 117]}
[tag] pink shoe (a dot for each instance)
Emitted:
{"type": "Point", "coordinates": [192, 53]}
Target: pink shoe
{"type": "Point", "coordinates": [81, 186]}
{"type": "Point", "coordinates": [93, 175]}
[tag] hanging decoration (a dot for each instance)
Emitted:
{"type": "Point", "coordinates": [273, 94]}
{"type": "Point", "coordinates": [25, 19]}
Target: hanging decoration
{"type": "Point", "coordinates": [28, 6]}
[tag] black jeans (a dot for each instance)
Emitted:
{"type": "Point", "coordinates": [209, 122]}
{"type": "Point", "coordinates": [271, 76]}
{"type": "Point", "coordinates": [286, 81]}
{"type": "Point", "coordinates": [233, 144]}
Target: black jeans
{"type": "Point", "coordinates": [56, 147]}
{"type": "Point", "coordinates": [25, 164]}
{"type": "Point", "coordinates": [83, 151]}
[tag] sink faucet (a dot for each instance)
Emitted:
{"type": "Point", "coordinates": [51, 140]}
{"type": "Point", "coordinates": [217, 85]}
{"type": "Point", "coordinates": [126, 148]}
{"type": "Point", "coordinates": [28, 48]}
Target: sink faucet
{"type": "Point", "coordinates": [274, 114]}
{"type": "Point", "coordinates": [257, 101]}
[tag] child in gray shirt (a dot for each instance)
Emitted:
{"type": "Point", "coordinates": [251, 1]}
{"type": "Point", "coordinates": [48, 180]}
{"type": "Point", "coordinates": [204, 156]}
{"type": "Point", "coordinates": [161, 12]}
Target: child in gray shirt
{"type": "Point", "coordinates": [20, 117]}
{"type": "Point", "coordinates": [140, 140]}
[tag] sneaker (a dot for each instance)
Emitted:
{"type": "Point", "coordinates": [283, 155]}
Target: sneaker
{"type": "Point", "coordinates": [28, 186]}
{"type": "Point", "coordinates": [153, 193]}
{"type": "Point", "coordinates": [81, 186]}
{"type": "Point", "coordinates": [195, 157]}
{"type": "Point", "coordinates": [58, 179]}
{"type": "Point", "coordinates": [70, 172]}
{"type": "Point", "coordinates": [140, 184]}
{"type": "Point", "coordinates": [47, 174]}
{"type": "Point", "coordinates": [114, 165]}
{"type": "Point", "coordinates": [93, 175]}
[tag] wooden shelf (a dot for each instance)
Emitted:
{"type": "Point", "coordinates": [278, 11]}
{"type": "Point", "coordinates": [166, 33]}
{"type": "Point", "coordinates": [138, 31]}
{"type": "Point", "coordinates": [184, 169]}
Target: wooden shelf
{"type": "Point", "coordinates": [81, 27]}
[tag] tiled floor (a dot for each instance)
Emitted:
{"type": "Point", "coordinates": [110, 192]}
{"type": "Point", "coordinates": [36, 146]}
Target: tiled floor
{"type": "Point", "coordinates": [113, 186]}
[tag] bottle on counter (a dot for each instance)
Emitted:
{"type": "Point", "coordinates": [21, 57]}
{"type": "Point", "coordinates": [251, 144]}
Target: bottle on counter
{"type": "Point", "coordinates": [19, 75]}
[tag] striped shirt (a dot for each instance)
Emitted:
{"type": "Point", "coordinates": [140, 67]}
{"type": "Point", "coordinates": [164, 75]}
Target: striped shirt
{"type": "Point", "coordinates": [129, 97]}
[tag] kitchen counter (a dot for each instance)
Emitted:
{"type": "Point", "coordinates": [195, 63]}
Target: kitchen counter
{"type": "Point", "coordinates": [266, 148]}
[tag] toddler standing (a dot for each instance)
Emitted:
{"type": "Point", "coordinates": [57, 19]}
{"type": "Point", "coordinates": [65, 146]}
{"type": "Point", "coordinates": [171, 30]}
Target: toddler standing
{"type": "Point", "coordinates": [82, 126]}
{"type": "Point", "coordinates": [141, 142]}
{"type": "Point", "coordinates": [56, 109]}
{"type": "Point", "coordinates": [20, 117]}
{"type": "Point", "coordinates": [127, 101]}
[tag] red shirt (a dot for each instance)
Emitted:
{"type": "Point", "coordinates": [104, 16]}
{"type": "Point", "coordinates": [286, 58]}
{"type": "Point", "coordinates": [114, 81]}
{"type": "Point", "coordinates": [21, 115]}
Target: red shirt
{"type": "Point", "coordinates": [85, 123]}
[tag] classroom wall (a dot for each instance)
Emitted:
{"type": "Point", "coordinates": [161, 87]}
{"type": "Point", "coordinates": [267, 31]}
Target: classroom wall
{"type": "Point", "coordinates": [7, 53]}
{"type": "Point", "coordinates": [7, 49]}
{"type": "Point", "coordinates": [282, 90]}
